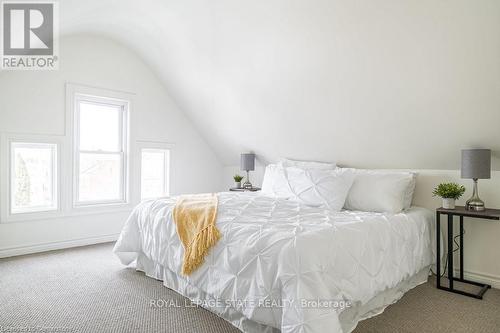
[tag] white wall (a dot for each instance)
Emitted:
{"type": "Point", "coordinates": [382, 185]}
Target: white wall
{"type": "Point", "coordinates": [33, 102]}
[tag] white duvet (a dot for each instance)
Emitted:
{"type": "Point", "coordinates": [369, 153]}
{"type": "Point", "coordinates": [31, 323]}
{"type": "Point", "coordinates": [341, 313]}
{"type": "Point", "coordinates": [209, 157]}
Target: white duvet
{"type": "Point", "coordinates": [277, 257]}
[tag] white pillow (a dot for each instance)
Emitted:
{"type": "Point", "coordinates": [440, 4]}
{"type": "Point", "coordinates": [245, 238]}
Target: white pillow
{"type": "Point", "coordinates": [317, 187]}
{"type": "Point", "coordinates": [410, 190]}
{"type": "Point", "coordinates": [275, 182]}
{"type": "Point", "coordinates": [381, 191]}
{"type": "Point", "coordinates": [308, 164]}
{"type": "Point", "coordinates": [313, 187]}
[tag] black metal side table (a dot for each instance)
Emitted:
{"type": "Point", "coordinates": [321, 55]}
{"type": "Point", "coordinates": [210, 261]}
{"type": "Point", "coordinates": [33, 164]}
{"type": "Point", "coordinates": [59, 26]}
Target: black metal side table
{"type": "Point", "coordinates": [460, 211]}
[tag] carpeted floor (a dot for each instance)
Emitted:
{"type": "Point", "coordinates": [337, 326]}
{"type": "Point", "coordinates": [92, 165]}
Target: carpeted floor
{"type": "Point", "coordinates": [87, 290]}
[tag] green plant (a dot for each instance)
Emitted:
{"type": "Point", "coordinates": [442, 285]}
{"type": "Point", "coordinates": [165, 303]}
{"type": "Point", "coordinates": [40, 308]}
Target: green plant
{"type": "Point", "coordinates": [449, 191]}
{"type": "Point", "coordinates": [237, 178]}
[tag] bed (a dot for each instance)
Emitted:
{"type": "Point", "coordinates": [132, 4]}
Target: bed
{"type": "Point", "coordinates": [285, 266]}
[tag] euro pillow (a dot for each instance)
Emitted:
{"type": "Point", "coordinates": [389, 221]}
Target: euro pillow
{"type": "Point", "coordinates": [317, 187]}
{"type": "Point", "coordinates": [410, 190]}
{"type": "Point", "coordinates": [313, 187]}
{"type": "Point", "coordinates": [308, 164]}
{"type": "Point", "coordinates": [275, 182]}
{"type": "Point", "coordinates": [381, 191]}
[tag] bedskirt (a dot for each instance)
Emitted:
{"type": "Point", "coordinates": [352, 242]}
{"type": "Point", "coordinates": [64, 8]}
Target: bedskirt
{"type": "Point", "coordinates": [349, 318]}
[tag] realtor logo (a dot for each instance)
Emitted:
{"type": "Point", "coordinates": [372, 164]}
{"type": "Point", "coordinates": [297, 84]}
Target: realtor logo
{"type": "Point", "coordinates": [29, 35]}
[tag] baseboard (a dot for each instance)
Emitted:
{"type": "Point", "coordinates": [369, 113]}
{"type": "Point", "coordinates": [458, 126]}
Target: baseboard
{"type": "Point", "coordinates": [17, 251]}
{"type": "Point", "coordinates": [492, 280]}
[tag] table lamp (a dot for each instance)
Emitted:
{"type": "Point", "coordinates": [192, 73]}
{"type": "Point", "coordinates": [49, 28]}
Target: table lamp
{"type": "Point", "coordinates": [476, 164]}
{"type": "Point", "coordinates": [247, 164]}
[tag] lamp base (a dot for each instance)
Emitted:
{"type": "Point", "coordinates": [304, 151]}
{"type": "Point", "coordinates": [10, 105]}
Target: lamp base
{"type": "Point", "coordinates": [247, 185]}
{"type": "Point", "coordinates": [474, 204]}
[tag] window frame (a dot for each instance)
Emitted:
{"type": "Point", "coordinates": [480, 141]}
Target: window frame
{"type": "Point", "coordinates": [55, 171]}
{"type": "Point", "coordinates": [167, 151]}
{"type": "Point", "coordinates": [65, 163]}
{"type": "Point", "coordinates": [6, 164]}
{"type": "Point", "coordinates": [124, 105]}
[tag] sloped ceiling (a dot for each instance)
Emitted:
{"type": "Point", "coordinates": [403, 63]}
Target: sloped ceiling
{"type": "Point", "coordinates": [388, 83]}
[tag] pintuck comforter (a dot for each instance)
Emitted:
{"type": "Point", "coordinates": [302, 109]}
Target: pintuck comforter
{"type": "Point", "coordinates": [286, 265]}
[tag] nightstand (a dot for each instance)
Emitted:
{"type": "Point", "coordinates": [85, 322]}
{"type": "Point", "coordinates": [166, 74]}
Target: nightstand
{"type": "Point", "coordinates": [461, 212]}
{"type": "Point", "coordinates": [253, 189]}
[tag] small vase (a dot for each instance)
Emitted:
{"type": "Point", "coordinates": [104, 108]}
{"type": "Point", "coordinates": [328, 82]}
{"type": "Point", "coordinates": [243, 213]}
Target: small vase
{"type": "Point", "coordinates": [448, 203]}
{"type": "Point", "coordinates": [238, 184]}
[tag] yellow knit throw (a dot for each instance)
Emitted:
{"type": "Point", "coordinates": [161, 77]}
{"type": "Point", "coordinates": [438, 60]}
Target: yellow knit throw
{"type": "Point", "coordinates": [194, 216]}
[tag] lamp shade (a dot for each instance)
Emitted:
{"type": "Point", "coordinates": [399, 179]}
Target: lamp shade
{"type": "Point", "coordinates": [476, 163]}
{"type": "Point", "coordinates": [247, 162]}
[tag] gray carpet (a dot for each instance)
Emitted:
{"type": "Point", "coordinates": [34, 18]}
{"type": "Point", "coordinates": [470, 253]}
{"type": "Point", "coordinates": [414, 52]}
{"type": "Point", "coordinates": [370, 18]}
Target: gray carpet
{"type": "Point", "coordinates": [87, 290]}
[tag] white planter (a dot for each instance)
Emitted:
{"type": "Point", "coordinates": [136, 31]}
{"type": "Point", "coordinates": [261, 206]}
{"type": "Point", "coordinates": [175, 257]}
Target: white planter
{"type": "Point", "coordinates": [448, 203]}
{"type": "Point", "coordinates": [237, 184]}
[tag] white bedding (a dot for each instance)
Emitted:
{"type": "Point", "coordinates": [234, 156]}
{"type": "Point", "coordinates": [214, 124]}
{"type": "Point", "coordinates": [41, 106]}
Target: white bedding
{"type": "Point", "coordinates": [277, 257]}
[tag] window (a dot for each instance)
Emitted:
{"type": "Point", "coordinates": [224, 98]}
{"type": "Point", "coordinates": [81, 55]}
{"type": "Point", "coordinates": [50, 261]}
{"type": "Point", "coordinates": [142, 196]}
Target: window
{"type": "Point", "coordinates": [154, 173]}
{"type": "Point", "coordinates": [33, 177]}
{"type": "Point", "coordinates": [100, 150]}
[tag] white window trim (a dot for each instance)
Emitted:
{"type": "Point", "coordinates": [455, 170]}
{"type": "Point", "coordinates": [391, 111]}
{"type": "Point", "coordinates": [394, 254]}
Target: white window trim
{"type": "Point", "coordinates": [6, 164]}
{"type": "Point", "coordinates": [55, 172]}
{"type": "Point", "coordinates": [65, 164]}
{"type": "Point", "coordinates": [155, 146]}
{"type": "Point", "coordinates": [73, 92]}
{"type": "Point", "coordinates": [139, 146]}
{"type": "Point", "coordinates": [123, 104]}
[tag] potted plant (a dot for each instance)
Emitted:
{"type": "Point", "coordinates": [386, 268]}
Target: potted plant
{"type": "Point", "coordinates": [237, 179]}
{"type": "Point", "coordinates": [449, 192]}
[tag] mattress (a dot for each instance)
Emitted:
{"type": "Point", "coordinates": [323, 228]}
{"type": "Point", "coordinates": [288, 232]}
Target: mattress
{"type": "Point", "coordinates": [282, 265]}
